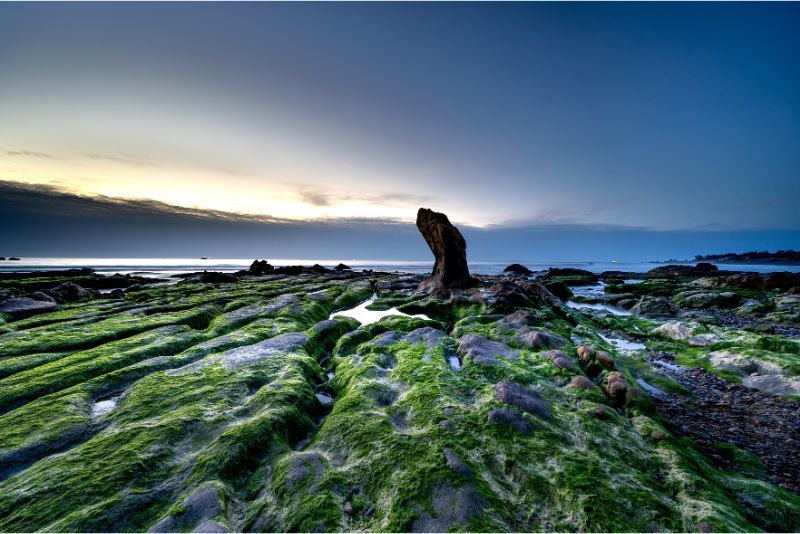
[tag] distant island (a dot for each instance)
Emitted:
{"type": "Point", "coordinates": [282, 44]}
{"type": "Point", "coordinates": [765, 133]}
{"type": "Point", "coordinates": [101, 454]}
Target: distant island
{"type": "Point", "coordinates": [780, 256]}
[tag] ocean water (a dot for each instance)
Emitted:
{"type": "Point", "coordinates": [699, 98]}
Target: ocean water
{"type": "Point", "coordinates": [160, 267]}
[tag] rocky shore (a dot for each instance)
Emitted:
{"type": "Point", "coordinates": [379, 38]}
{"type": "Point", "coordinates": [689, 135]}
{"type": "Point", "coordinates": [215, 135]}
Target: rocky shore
{"type": "Point", "coordinates": [559, 400]}
{"type": "Point", "coordinates": [738, 427]}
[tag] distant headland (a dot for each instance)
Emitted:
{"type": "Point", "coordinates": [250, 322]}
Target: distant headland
{"type": "Point", "coordinates": [780, 256]}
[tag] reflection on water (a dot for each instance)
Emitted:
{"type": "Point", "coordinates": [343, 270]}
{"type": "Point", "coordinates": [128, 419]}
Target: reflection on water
{"type": "Point", "coordinates": [594, 290]}
{"type": "Point", "coordinates": [325, 400]}
{"type": "Point", "coordinates": [102, 407]}
{"type": "Point", "coordinates": [616, 310]}
{"type": "Point", "coordinates": [667, 365]}
{"type": "Point", "coordinates": [623, 343]}
{"type": "Point", "coordinates": [364, 316]}
{"type": "Point", "coordinates": [455, 363]}
{"type": "Point", "coordinates": [649, 388]}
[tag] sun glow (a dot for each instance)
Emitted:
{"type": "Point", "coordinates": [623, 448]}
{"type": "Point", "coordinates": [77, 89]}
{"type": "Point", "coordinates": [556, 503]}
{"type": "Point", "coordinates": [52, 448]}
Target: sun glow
{"type": "Point", "coordinates": [202, 189]}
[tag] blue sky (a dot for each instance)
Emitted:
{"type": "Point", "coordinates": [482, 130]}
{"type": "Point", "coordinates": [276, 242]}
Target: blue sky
{"type": "Point", "coordinates": [679, 119]}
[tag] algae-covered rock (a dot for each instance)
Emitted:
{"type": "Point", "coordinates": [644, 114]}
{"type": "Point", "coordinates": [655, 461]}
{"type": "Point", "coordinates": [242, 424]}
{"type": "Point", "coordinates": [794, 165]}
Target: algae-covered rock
{"type": "Point", "coordinates": [451, 506]}
{"type": "Point", "coordinates": [673, 330]}
{"type": "Point", "coordinates": [525, 399]}
{"type": "Point", "coordinates": [559, 289]}
{"type": "Point", "coordinates": [23, 306]}
{"type": "Point", "coordinates": [480, 350]}
{"type": "Point", "coordinates": [653, 307]}
{"type": "Point", "coordinates": [247, 407]}
{"type": "Point", "coordinates": [514, 418]}
{"type": "Point", "coordinates": [707, 299]}
{"type": "Point", "coordinates": [196, 510]}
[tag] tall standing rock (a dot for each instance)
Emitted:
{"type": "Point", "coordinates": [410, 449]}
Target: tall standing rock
{"type": "Point", "coordinates": [450, 269]}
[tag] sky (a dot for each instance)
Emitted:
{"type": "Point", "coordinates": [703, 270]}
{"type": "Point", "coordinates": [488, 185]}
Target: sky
{"type": "Point", "coordinates": [563, 131]}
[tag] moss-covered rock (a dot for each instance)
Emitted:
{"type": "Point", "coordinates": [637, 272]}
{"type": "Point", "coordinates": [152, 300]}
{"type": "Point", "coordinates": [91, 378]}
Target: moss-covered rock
{"type": "Point", "coordinates": [245, 406]}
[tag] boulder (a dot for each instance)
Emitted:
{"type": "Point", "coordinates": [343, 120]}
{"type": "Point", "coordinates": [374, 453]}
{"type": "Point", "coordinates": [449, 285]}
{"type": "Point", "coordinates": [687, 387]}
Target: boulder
{"type": "Point", "coordinates": [627, 303]}
{"type": "Point", "coordinates": [481, 350]}
{"type": "Point", "coordinates": [707, 299]}
{"type": "Point", "coordinates": [559, 359]}
{"type": "Point", "coordinates": [564, 363]}
{"type": "Point", "coordinates": [726, 360]}
{"type": "Point", "coordinates": [540, 339]}
{"type": "Point", "coordinates": [603, 358]}
{"type": "Point", "coordinates": [653, 308]}
{"type": "Point", "coordinates": [213, 277]}
{"type": "Point", "coordinates": [291, 270]}
{"type": "Point", "coordinates": [571, 277]}
{"type": "Point", "coordinates": [581, 382]}
{"type": "Point", "coordinates": [704, 340]}
{"type": "Point", "coordinates": [516, 268]}
{"type": "Point", "coordinates": [505, 296]}
{"type": "Point", "coordinates": [514, 418]}
{"type": "Point", "coordinates": [559, 289]}
{"type": "Point", "coordinates": [616, 387]}
{"type": "Point", "coordinates": [594, 361]}
{"type": "Point", "coordinates": [44, 297]}
{"type": "Point", "coordinates": [675, 271]}
{"type": "Point", "coordinates": [520, 318]}
{"type": "Point", "coordinates": [259, 267]}
{"type": "Point", "coordinates": [24, 306]}
{"type": "Point", "coordinates": [450, 270]}
{"type": "Point", "coordinates": [773, 384]}
{"type": "Point", "coordinates": [69, 292]}
{"type": "Point", "coordinates": [525, 399]}
{"type": "Point", "coordinates": [341, 267]}
{"type": "Point", "coordinates": [673, 330]}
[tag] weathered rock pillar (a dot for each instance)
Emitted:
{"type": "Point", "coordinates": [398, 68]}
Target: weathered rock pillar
{"type": "Point", "coordinates": [449, 249]}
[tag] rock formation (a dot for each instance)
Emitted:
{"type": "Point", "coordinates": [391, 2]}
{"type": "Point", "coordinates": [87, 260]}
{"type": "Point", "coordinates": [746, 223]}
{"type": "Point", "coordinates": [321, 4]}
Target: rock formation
{"type": "Point", "coordinates": [450, 269]}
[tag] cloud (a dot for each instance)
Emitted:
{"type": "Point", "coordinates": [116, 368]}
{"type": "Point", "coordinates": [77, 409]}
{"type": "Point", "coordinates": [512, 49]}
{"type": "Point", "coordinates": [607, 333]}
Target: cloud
{"type": "Point", "coordinates": [30, 154]}
{"type": "Point", "coordinates": [40, 198]}
{"type": "Point", "coordinates": [131, 159]}
{"type": "Point", "coordinates": [320, 197]}
{"type": "Point", "coordinates": [125, 159]}
{"type": "Point", "coordinates": [40, 220]}
{"type": "Point", "coordinates": [316, 198]}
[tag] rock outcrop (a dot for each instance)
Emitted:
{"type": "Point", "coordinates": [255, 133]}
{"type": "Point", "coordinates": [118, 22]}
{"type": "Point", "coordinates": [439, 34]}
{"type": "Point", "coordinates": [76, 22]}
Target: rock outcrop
{"type": "Point", "coordinates": [449, 249]}
{"type": "Point", "coordinates": [260, 267]}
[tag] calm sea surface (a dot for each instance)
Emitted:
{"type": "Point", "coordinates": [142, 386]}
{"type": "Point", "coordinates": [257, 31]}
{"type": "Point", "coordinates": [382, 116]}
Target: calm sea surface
{"type": "Point", "coordinates": [159, 267]}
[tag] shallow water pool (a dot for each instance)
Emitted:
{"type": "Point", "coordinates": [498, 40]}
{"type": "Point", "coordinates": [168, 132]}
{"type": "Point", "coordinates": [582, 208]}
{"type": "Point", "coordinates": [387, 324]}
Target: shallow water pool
{"type": "Point", "coordinates": [364, 316]}
{"type": "Point", "coordinates": [623, 343]}
{"type": "Point", "coordinates": [102, 407]}
{"type": "Point", "coordinates": [616, 310]}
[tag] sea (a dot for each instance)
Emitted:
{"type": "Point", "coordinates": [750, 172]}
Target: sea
{"type": "Point", "coordinates": [165, 267]}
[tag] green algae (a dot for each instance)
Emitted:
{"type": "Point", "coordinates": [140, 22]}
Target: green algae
{"type": "Point", "coordinates": [274, 458]}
